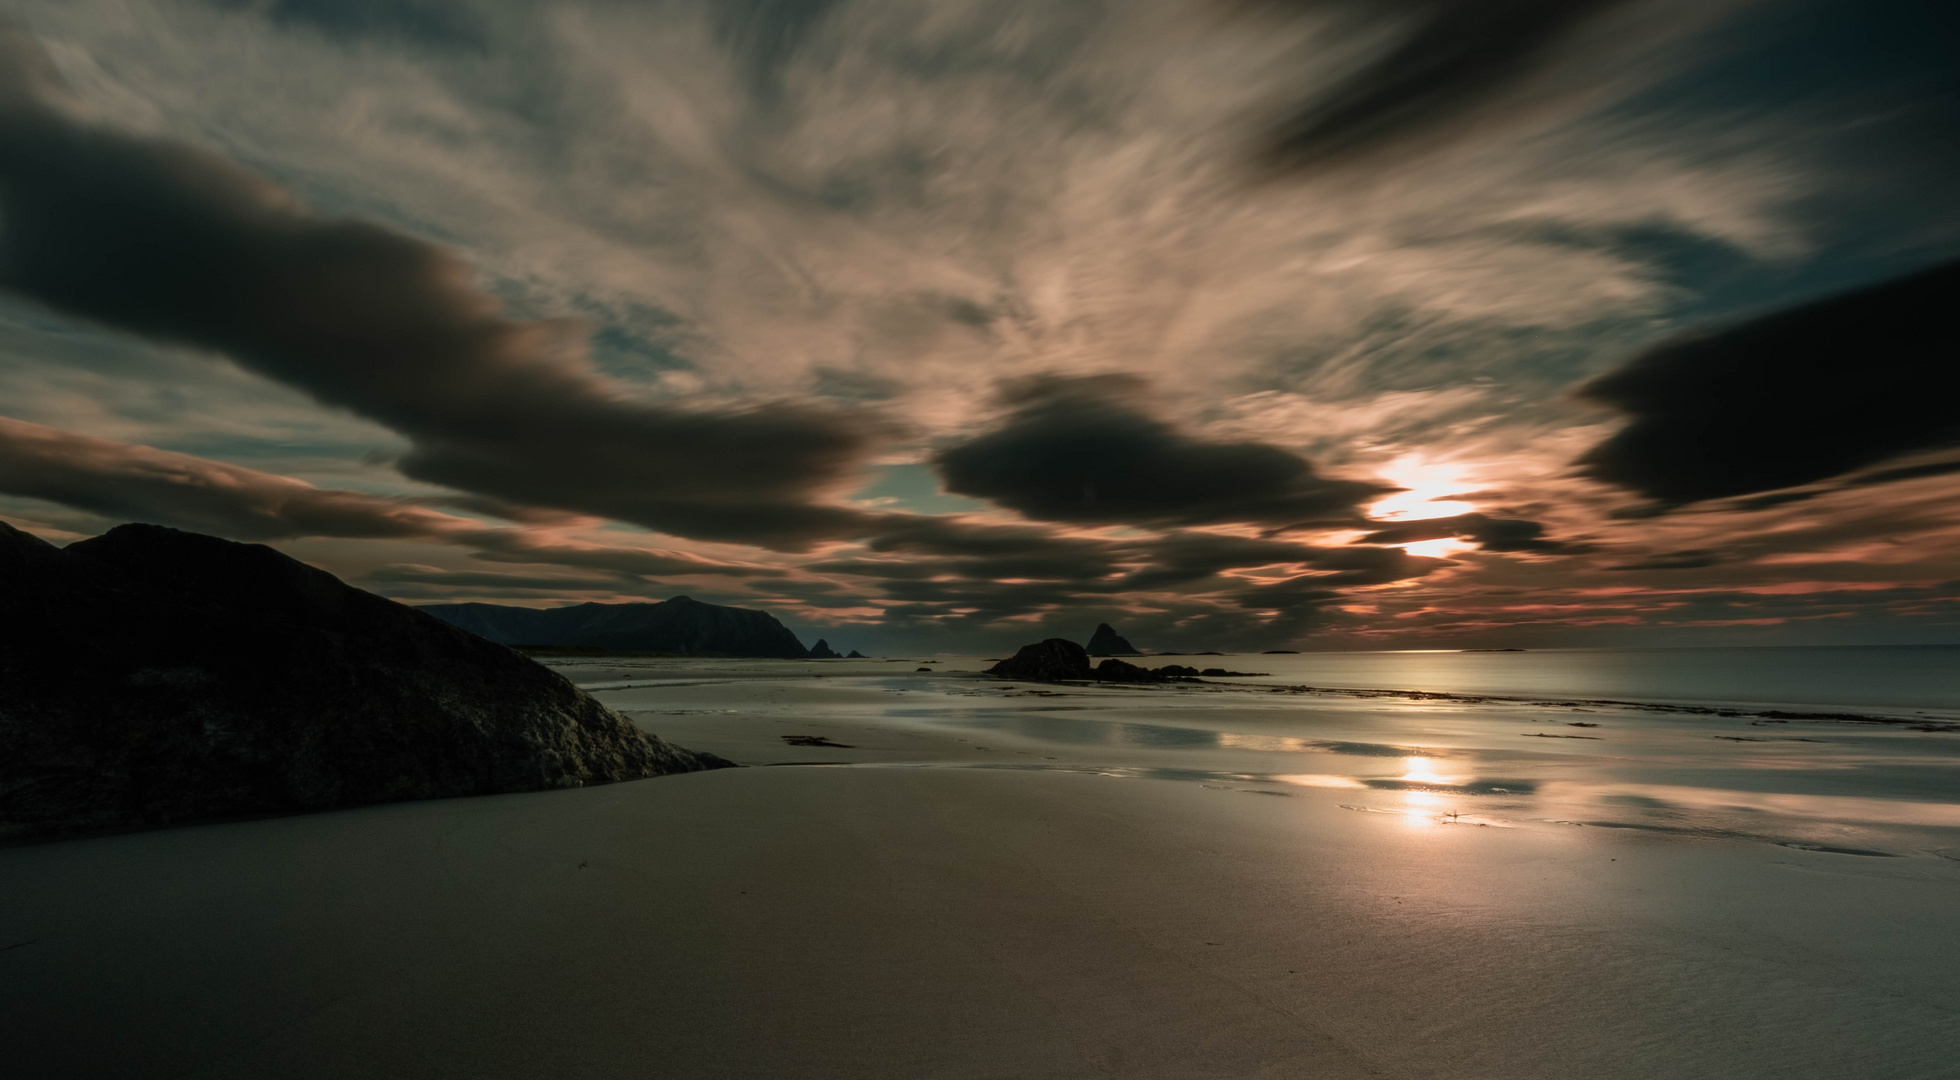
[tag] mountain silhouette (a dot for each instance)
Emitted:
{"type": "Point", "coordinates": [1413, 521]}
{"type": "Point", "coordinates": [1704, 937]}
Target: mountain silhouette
{"type": "Point", "coordinates": [679, 625]}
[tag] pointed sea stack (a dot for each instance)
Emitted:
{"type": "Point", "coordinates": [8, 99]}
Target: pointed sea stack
{"type": "Point", "coordinates": [1107, 642]}
{"type": "Point", "coordinates": [856, 655]}
{"type": "Point", "coordinates": [151, 677]}
{"type": "Point", "coordinates": [822, 651]}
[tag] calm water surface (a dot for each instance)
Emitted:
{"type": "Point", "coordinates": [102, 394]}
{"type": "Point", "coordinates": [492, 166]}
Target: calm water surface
{"type": "Point", "coordinates": [1923, 676]}
{"type": "Point", "coordinates": [1549, 760]}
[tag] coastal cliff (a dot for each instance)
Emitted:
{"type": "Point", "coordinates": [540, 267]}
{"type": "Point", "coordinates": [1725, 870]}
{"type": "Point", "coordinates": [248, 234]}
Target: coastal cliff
{"type": "Point", "coordinates": [680, 625]}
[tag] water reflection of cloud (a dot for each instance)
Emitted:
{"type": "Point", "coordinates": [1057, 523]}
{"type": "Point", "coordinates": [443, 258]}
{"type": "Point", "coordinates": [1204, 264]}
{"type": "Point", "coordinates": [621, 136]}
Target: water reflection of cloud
{"type": "Point", "coordinates": [1816, 807]}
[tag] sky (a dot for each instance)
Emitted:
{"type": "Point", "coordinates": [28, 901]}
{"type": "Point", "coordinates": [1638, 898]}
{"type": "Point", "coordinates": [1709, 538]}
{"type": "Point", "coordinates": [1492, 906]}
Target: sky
{"type": "Point", "coordinates": [948, 325]}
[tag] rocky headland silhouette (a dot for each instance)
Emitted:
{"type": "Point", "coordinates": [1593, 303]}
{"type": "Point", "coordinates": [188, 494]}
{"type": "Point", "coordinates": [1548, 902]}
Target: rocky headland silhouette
{"type": "Point", "coordinates": [682, 625]}
{"type": "Point", "coordinates": [151, 677]}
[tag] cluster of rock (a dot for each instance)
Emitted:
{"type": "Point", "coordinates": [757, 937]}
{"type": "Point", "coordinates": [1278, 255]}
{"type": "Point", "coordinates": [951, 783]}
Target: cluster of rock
{"type": "Point", "coordinates": [822, 651]}
{"type": "Point", "coordinates": [1062, 660]}
{"type": "Point", "coordinates": [150, 676]}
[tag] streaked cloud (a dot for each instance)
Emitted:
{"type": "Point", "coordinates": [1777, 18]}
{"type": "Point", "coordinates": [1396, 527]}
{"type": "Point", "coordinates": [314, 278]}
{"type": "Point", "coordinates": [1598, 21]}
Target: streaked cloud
{"type": "Point", "coordinates": [597, 300]}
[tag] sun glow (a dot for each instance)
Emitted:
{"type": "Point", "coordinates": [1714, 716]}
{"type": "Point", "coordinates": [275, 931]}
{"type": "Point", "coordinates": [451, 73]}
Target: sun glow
{"type": "Point", "coordinates": [1427, 485]}
{"type": "Point", "coordinates": [1438, 549]}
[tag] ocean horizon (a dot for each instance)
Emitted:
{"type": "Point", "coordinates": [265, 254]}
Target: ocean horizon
{"type": "Point", "coordinates": [1884, 678]}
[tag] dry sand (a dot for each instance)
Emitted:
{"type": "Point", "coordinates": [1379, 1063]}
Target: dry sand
{"type": "Point", "coordinates": [945, 899]}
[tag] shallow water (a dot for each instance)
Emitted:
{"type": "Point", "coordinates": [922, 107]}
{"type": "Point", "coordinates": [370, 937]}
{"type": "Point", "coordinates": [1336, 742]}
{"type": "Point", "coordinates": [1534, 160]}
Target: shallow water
{"type": "Point", "coordinates": [1885, 678]}
{"type": "Point", "coordinates": [1861, 790]}
{"type": "Point", "coordinates": [1888, 677]}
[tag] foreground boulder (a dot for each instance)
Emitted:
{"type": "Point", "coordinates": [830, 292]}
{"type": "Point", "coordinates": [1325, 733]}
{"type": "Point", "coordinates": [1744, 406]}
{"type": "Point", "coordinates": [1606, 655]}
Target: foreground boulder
{"type": "Point", "coordinates": [1053, 660]}
{"type": "Point", "coordinates": [150, 676]}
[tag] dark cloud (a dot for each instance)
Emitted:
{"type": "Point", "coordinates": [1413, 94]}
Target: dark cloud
{"type": "Point", "coordinates": [518, 546]}
{"type": "Point", "coordinates": [180, 246]}
{"type": "Point", "coordinates": [1489, 533]}
{"type": "Point", "coordinates": [1189, 557]}
{"type": "Point", "coordinates": [1906, 472]}
{"type": "Point", "coordinates": [430, 22]}
{"type": "Point", "coordinates": [137, 483]}
{"type": "Point", "coordinates": [1089, 450]}
{"type": "Point", "coordinates": [1455, 59]}
{"type": "Point", "coordinates": [1798, 396]}
{"type": "Point", "coordinates": [388, 579]}
{"type": "Point", "coordinates": [951, 573]}
{"type": "Point", "coordinates": [1691, 559]}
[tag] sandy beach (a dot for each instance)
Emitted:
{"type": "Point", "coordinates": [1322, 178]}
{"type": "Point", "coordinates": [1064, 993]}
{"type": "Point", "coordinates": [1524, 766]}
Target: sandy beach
{"type": "Point", "coordinates": [988, 882]}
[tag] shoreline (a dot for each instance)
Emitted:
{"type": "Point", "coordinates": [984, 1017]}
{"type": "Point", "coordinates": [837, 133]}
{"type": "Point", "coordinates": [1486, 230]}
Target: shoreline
{"type": "Point", "coordinates": [953, 877]}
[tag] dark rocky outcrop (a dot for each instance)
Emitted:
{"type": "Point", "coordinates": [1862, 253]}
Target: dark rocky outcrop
{"type": "Point", "coordinates": [822, 651]}
{"type": "Point", "coordinates": [150, 676]}
{"type": "Point", "coordinates": [1053, 660]}
{"type": "Point", "coordinates": [1107, 642]}
{"type": "Point", "coordinates": [856, 655]}
{"type": "Point", "coordinates": [680, 625]}
{"type": "Point", "coordinates": [1113, 670]}
{"type": "Point", "coordinates": [1061, 660]}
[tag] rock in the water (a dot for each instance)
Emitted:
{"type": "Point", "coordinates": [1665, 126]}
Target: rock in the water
{"type": "Point", "coordinates": [150, 676]}
{"type": "Point", "coordinates": [1107, 642]}
{"type": "Point", "coordinates": [1120, 671]}
{"type": "Point", "coordinates": [1048, 661]}
{"type": "Point", "coordinates": [680, 625]}
{"type": "Point", "coordinates": [856, 655]}
{"type": "Point", "coordinates": [822, 651]}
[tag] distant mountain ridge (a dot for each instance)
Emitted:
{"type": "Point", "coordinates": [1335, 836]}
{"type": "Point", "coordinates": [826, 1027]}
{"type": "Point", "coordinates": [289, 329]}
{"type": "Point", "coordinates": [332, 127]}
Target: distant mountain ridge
{"type": "Point", "coordinates": [680, 625]}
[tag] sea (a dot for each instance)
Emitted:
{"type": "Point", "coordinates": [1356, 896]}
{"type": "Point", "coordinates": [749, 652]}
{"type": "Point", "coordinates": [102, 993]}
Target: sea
{"type": "Point", "coordinates": [1855, 677]}
{"type": "Point", "coordinates": [1851, 750]}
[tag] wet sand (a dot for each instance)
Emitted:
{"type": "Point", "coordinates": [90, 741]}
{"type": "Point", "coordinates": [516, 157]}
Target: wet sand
{"type": "Point", "coordinates": [985, 882]}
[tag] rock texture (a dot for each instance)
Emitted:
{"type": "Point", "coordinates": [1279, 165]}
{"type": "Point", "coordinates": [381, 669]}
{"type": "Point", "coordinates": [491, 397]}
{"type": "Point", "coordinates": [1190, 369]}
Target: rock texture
{"type": "Point", "coordinates": [150, 676]}
{"type": "Point", "coordinates": [1048, 661]}
{"type": "Point", "coordinates": [1107, 642]}
{"type": "Point", "coordinates": [822, 651]}
{"type": "Point", "coordinates": [680, 625]}
{"type": "Point", "coordinates": [1120, 671]}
